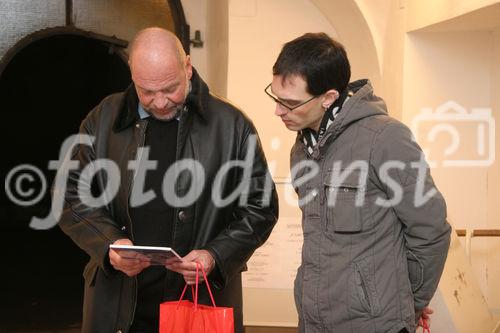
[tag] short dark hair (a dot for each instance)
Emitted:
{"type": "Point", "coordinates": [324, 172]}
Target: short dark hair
{"type": "Point", "coordinates": [316, 57]}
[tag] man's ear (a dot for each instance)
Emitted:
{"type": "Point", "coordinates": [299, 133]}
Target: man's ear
{"type": "Point", "coordinates": [189, 67]}
{"type": "Point", "coordinates": [329, 98]}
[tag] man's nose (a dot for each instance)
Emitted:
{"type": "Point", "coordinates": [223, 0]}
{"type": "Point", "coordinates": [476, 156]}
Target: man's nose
{"type": "Point", "coordinates": [160, 101]}
{"type": "Point", "coordinates": [279, 110]}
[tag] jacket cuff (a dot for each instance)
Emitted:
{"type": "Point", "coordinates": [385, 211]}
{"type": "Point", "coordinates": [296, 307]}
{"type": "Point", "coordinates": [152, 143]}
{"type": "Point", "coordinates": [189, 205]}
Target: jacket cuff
{"type": "Point", "coordinates": [105, 263]}
{"type": "Point", "coordinates": [216, 277]}
{"type": "Point", "coordinates": [418, 313]}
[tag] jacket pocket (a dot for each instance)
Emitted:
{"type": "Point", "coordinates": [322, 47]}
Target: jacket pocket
{"type": "Point", "coordinates": [364, 287]}
{"type": "Point", "coordinates": [415, 271]}
{"type": "Point", "coordinates": [344, 204]}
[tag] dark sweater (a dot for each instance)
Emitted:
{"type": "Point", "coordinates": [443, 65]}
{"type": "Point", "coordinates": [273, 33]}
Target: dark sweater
{"type": "Point", "coordinates": [153, 222]}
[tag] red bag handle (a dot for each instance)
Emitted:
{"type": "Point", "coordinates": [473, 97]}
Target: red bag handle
{"type": "Point", "coordinates": [195, 291]}
{"type": "Point", "coordinates": [426, 328]}
{"type": "Point", "coordinates": [196, 288]}
{"type": "Point", "coordinates": [206, 282]}
{"type": "Point", "coordinates": [183, 292]}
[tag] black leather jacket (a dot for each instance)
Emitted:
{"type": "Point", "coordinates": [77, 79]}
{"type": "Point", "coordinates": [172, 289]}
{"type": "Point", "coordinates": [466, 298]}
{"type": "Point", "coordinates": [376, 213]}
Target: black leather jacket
{"type": "Point", "coordinates": [211, 132]}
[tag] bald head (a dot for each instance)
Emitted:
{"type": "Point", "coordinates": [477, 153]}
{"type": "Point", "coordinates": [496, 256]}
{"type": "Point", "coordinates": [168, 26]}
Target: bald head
{"type": "Point", "coordinates": [161, 71]}
{"type": "Point", "coordinates": [156, 46]}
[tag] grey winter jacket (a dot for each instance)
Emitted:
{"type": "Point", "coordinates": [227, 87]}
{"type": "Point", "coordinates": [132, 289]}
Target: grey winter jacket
{"type": "Point", "coordinates": [366, 267]}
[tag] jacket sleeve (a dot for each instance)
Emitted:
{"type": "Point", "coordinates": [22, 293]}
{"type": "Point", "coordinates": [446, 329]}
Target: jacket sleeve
{"type": "Point", "coordinates": [91, 228]}
{"type": "Point", "coordinates": [252, 222]}
{"type": "Point", "coordinates": [426, 231]}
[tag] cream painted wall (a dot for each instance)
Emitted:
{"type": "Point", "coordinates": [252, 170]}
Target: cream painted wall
{"type": "Point", "coordinates": [375, 13]}
{"type": "Point", "coordinates": [427, 12]}
{"type": "Point", "coordinates": [257, 31]}
{"type": "Point", "coordinates": [387, 22]}
{"type": "Point", "coordinates": [373, 33]}
{"type": "Point", "coordinates": [217, 46]}
{"type": "Point", "coordinates": [493, 194]}
{"type": "Point", "coordinates": [354, 32]}
{"type": "Point", "coordinates": [248, 68]}
{"type": "Point", "coordinates": [420, 69]}
{"type": "Point", "coordinates": [196, 16]}
{"type": "Point", "coordinates": [211, 18]}
{"type": "Point", "coordinates": [410, 71]}
{"type": "Point", "coordinates": [460, 66]}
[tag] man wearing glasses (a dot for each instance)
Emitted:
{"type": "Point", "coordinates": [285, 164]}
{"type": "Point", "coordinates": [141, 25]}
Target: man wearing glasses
{"type": "Point", "coordinates": [375, 229]}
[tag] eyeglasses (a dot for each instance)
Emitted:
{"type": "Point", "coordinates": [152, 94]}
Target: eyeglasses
{"type": "Point", "coordinates": [278, 101]}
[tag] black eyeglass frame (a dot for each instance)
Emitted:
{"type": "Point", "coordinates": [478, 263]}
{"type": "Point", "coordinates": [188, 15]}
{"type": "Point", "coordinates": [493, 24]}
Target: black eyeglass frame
{"type": "Point", "coordinates": [276, 100]}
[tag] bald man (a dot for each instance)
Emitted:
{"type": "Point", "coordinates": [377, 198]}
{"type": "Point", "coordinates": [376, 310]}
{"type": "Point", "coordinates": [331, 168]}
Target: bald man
{"type": "Point", "coordinates": [192, 176]}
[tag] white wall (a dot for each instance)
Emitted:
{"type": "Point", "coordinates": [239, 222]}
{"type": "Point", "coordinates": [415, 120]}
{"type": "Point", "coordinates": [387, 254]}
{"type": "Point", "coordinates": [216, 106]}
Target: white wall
{"type": "Point", "coordinates": [457, 58]}
{"type": "Point", "coordinates": [217, 46]}
{"type": "Point", "coordinates": [375, 13]}
{"type": "Point", "coordinates": [493, 194]}
{"type": "Point", "coordinates": [211, 18]}
{"type": "Point", "coordinates": [386, 21]}
{"type": "Point", "coordinates": [425, 13]}
{"type": "Point", "coordinates": [196, 16]}
{"type": "Point", "coordinates": [458, 66]}
{"type": "Point", "coordinates": [355, 33]}
{"type": "Point", "coordinates": [257, 31]}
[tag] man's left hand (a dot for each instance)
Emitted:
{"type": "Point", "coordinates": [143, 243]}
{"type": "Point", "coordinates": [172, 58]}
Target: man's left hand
{"type": "Point", "coordinates": [187, 267]}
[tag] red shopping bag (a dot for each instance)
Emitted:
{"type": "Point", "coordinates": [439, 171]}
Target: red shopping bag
{"type": "Point", "coordinates": [185, 317]}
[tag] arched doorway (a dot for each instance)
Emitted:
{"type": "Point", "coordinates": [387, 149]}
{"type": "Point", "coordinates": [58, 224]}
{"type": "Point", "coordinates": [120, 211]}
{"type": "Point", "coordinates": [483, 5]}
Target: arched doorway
{"type": "Point", "coordinates": [52, 80]}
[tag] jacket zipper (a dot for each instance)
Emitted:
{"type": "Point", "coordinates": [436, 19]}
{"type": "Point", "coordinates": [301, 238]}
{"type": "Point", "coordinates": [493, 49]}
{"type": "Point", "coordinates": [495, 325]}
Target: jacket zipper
{"type": "Point", "coordinates": [364, 290]}
{"type": "Point", "coordinates": [318, 146]}
{"type": "Point", "coordinates": [132, 178]}
{"type": "Point", "coordinates": [322, 215]}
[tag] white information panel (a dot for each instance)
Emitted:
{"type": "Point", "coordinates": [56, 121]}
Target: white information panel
{"type": "Point", "coordinates": [274, 265]}
{"type": "Point", "coordinates": [268, 283]}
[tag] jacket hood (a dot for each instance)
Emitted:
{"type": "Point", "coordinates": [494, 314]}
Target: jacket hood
{"type": "Point", "coordinates": [196, 100]}
{"type": "Point", "coordinates": [362, 104]}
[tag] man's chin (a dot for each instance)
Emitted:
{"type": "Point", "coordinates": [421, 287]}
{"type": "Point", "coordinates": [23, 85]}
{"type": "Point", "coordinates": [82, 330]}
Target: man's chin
{"type": "Point", "coordinates": [164, 115]}
{"type": "Point", "coordinates": [292, 127]}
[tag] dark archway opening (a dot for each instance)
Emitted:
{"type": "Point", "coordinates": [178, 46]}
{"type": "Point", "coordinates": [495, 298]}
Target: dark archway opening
{"type": "Point", "coordinates": [45, 92]}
